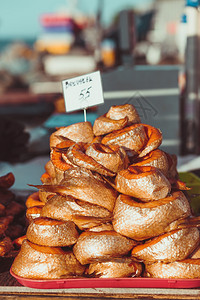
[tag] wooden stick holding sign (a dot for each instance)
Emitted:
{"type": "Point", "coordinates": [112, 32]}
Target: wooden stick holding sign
{"type": "Point", "coordinates": [82, 92]}
{"type": "Point", "coordinates": [85, 115]}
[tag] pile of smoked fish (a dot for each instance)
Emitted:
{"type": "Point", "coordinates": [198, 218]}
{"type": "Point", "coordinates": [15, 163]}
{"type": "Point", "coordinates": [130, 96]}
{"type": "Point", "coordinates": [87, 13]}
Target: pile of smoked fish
{"type": "Point", "coordinates": [110, 204]}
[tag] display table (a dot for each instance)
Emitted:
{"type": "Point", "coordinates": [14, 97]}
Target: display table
{"type": "Point", "coordinates": [11, 289]}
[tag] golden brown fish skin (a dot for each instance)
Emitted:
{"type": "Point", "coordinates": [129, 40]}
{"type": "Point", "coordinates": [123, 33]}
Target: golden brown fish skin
{"type": "Point", "coordinates": [76, 155]}
{"type": "Point", "coordinates": [53, 233]}
{"type": "Point", "coordinates": [46, 179]}
{"type": "Point", "coordinates": [101, 246]}
{"type": "Point", "coordinates": [34, 200]}
{"type": "Point", "coordinates": [185, 269]}
{"type": "Point", "coordinates": [90, 187]}
{"type": "Point", "coordinates": [78, 132]}
{"type": "Point", "coordinates": [117, 112]}
{"type": "Point", "coordinates": [143, 182]}
{"type": "Point", "coordinates": [141, 221]}
{"type": "Point", "coordinates": [112, 157]}
{"type": "Point", "coordinates": [102, 227]}
{"type": "Point", "coordinates": [117, 117]}
{"type": "Point", "coordinates": [131, 138]}
{"type": "Point", "coordinates": [115, 268]}
{"type": "Point", "coordinates": [97, 139]}
{"type": "Point", "coordinates": [63, 208]}
{"type": "Point", "coordinates": [156, 158]}
{"type": "Point", "coordinates": [169, 247]}
{"type": "Point", "coordinates": [33, 213]}
{"type": "Point", "coordinates": [45, 262]}
{"type": "Point", "coordinates": [59, 160]}
{"type": "Point", "coordinates": [196, 253]}
{"type": "Point", "coordinates": [82, 184]}
{"type": "Point", "coordinates": [85, 215]}
{"type": "Point", "coordinates": [86, 222]}
{"type": "Point", "coordinates": [44, 196]}
{"type": "Point", "coordinates": [60, 175]}
{"type": "Point", "coordinates": [104, 125]}
{"type": "Point", "coordinates": [50, 169]}
{"type": "Point", "coordinates": [154, 136]}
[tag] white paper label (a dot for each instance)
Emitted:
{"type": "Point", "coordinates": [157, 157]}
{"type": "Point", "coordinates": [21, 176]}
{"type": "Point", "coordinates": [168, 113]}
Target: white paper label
{"type": "Point", "coordinates": [83, 91]}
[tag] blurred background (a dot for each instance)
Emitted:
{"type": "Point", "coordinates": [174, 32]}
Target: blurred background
{"type": "Point", "coordinates": [147, 53]}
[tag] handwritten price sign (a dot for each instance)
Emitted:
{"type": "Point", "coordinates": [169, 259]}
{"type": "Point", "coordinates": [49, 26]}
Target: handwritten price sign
{"type": "Point", "coordinates": [83, 91]}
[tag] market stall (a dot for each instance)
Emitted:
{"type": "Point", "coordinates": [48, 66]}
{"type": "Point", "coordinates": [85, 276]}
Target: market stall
{"type": "Point", "coordinates": [108, 208]}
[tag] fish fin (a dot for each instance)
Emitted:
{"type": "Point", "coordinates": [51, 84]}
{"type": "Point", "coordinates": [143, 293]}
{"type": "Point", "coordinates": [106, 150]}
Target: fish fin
{"type": "Point", "coordinates": [84, 222]}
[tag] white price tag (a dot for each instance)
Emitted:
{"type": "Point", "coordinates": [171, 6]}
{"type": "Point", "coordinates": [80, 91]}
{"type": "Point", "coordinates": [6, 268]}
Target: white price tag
{"type": "Point", "coordinates": [83, 91]}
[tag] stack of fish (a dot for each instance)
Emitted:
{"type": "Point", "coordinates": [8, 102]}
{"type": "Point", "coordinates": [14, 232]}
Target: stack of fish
{"type": "Point", "coordinates": [110, 205]}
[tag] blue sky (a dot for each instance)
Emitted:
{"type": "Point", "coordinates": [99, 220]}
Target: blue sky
{"type": "Point", "coordinates": [20, 18]}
